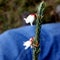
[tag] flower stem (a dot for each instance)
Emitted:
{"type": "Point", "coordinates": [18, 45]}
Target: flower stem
{"type": "Point", "coordinates": [36, 50]}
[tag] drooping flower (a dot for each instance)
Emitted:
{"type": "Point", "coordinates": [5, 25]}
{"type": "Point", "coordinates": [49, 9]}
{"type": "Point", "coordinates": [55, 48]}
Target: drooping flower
{"type": "Point", "coordinates": [28, 43]}
{"type": "Point", "coordinates": [30, 19]}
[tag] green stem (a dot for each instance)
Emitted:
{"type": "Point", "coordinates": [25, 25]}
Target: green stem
{"type": "Point", "coordinates": [36, 50]}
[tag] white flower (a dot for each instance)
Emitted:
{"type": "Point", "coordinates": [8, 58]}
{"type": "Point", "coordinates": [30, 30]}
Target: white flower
{"type": "Point", "coordinates": [28, 43]}
{"type": "Point", "coordinates": [30, 19]}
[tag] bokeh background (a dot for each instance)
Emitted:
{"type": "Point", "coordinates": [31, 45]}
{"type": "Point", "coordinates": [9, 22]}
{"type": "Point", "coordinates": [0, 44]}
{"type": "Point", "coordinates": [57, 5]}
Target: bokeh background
{"type": "Point", "coordinates": [12, 12]}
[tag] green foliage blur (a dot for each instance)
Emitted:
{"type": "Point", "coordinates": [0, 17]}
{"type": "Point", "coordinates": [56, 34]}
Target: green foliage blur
{"type": "Point", "coordinates": [12, 10]}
